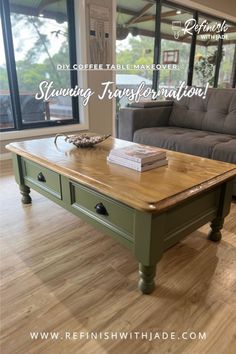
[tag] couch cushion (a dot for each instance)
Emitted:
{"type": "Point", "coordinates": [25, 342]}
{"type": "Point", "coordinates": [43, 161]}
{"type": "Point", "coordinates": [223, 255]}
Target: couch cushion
{"type": "Point", "coordinates": [216, 113]}
{"type": "Point", "coordinates": [225, 151]}
{"type": "Point", "coordinates": [188, 113]}
{"type": "Point", "coordinates": [190, 141]}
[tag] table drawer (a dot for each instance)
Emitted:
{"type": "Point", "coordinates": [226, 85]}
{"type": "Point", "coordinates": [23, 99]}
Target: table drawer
{"type": "Point", "coordinates": [42, 177]}
{"type": "Point", "coordinates": [106, 210]}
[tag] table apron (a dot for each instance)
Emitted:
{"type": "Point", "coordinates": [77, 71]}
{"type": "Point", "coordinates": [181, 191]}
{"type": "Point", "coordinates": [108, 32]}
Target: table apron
{"type": "Point", "coordinates": [147, 235]}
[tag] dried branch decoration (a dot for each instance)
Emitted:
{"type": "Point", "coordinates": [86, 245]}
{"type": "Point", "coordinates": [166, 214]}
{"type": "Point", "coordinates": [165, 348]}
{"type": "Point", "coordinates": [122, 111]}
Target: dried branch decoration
{"type": "Point", "coordinates": [83, 140]}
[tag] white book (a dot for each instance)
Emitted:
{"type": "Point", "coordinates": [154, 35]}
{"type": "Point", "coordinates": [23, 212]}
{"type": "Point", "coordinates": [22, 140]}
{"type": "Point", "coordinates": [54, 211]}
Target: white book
{"type": "Point", "coordinates": [134, 166]}
{"type": "Point", "coordinates": [139, 153]}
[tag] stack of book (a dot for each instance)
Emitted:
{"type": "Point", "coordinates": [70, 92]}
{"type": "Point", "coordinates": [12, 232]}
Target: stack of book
{"type": "Point", "coordinates": [139, 158]}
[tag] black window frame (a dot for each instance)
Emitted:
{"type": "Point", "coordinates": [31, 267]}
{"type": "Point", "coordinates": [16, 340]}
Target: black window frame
{"type": "Point", "coordinates": [5, 13]}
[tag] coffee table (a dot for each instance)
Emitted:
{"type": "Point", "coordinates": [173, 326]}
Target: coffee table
{"type": "Point", "coordinates": [147, 212]}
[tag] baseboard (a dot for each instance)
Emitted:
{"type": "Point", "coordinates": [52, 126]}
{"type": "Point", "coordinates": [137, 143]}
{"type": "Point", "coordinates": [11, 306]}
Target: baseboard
{"type": "Point", "coordinates": [5, 156]}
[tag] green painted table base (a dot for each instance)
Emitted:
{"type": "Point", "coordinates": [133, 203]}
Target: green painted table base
{"type": "Point", "coordinates": [147, 235]}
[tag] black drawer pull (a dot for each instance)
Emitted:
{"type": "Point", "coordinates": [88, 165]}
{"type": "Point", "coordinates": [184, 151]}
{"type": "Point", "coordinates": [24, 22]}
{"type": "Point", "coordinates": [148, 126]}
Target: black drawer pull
{"type": "Point", "coordinates": [100, 209]}
{"type": "Point", "coordinates": [41, 177]}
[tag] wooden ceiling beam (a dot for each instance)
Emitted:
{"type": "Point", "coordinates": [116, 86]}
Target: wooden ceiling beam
{"type": "Point", "coordinates": [228, 41]}
{"type": "Point", "coordinates": [139, 14]}
{"type": "Point", "coordinates": [169, 14]}
{"type": "Point", "coordinates": [207, 42]}
{"type": "Point", "coordinates": [231, 29]}
{"type": "Point", "coordinates": [124, 11]}
{"type": "Point", "coordinates": [138, 17]}
{"type": "Point", "coordinates": [145, 18]}
{"type": "Point", "coordinates": [152, 18]}
{"type": "Point", "coordinates": [169, 37]}
{"type": "Point", "coordinates": [186, 36]}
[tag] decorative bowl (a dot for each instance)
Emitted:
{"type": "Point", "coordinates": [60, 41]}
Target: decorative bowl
{"type": "Point", "coordinates": [83, 140]}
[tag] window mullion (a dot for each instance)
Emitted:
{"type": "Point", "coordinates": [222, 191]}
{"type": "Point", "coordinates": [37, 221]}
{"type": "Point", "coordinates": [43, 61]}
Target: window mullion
{"type": "Point", "coordinates": [72, 55]}
{"type": "Point", "coordinates": [192, 53]}
{"type": "Point", "coordinates": [219, 58]}
{"type": "Point", "coordinates": [157, 45]}
{"type": "Point", "coordinates": [10, 63]}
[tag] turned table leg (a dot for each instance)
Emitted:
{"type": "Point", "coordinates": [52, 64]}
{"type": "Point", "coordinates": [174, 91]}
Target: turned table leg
{"type": "Point", "coordinates": [25, 191]}
{"type": "Point", "coordinates": [146, 282]}
{"type": "Point", "coordinates": [223, 211]}
{"type": "Point", "coordinates": [215, 233]}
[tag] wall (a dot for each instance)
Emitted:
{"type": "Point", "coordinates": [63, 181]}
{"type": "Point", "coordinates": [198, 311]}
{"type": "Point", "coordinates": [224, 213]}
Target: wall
{"type": "Point", "coordinates": [101, 112]}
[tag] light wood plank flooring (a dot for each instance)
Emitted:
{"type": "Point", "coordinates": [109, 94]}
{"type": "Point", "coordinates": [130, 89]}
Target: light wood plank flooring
{"type": "Point", "coordinates": [61, 275]}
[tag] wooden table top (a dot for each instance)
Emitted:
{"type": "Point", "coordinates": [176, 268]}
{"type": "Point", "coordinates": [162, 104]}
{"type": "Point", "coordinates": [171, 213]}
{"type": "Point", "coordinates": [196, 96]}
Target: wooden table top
{"type": "Point", "coordinates": [151, 191]}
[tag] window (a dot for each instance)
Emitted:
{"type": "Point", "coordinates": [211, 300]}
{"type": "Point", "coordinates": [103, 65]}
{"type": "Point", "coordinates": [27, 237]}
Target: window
{"type": "Point", "coordinates": [206, 55]}
{"type": "Point", "coordinates": [42, 38]}
{"type": "Point", "coordinates": [202, 58]}
{"type": "Point", "coordinates": [228, 64]}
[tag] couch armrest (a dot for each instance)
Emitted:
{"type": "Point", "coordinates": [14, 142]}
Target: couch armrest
{"type": "Point", "coordinates": [132, 119]}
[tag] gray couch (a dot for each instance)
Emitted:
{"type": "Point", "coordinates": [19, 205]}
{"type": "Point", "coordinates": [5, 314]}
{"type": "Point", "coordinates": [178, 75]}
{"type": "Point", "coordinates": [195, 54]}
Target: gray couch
{"type": "Point", "coordinates": [202, 127]}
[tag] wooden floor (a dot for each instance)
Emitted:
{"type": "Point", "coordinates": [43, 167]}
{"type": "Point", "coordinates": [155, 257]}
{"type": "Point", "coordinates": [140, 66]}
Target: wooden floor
{"type": "Point", "coordinates": [61, 275]}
